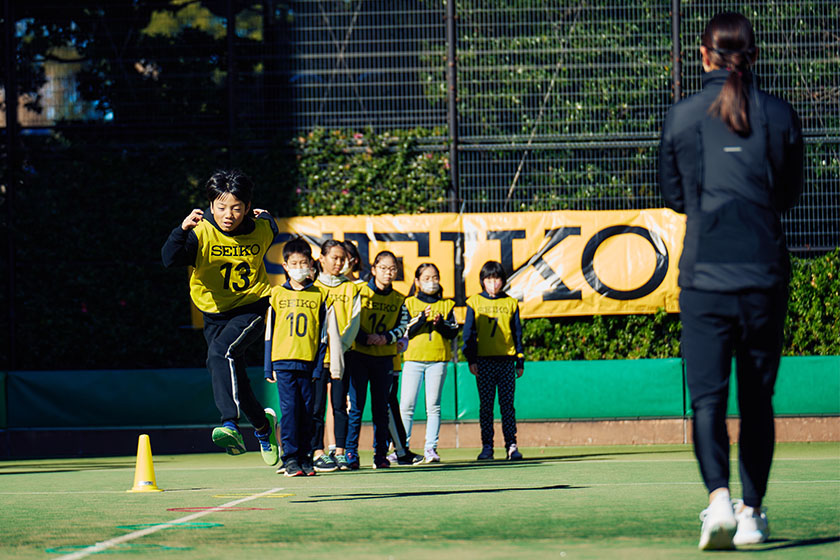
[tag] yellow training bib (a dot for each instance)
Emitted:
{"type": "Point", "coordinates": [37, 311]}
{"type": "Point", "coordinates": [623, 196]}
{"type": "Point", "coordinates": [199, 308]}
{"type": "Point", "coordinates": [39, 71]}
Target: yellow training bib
{"type": "Point", "coordinates": [341, 299]}
{"type": "Point", "coordinates": [297, 325]}
{"type": "Point", "coordinates": [379, 314]}
{"type": "Point", "coordinates": [492, 325]}
{"type": "Point", "coordinates": [428, 345]}
{"type": "Point", "coordinates": [229, 270]}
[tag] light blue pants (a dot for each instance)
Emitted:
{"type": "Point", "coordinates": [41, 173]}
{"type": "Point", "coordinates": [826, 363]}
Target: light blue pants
{"type": "Point", "coordinates": [412, 376]}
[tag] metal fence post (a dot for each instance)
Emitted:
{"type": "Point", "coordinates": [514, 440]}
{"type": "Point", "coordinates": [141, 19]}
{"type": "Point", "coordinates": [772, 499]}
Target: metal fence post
{"type": "Point", "coordinates": [11, 179]}
{"type": "Point", "coordinates": [452, 103]}
{"type": "Point", "coordinates": [676, 70]}
{"type": "Point", "coordinates": [452, 123]}
{"type": "Point", "coordinates": [231, 76]}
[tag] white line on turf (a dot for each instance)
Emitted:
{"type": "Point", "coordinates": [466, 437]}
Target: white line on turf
{"type": "Point", "coordinates": [105, 545]}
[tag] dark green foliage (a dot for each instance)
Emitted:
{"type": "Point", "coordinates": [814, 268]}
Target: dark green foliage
{"type": "Point", "coordinates": [360, 172]}
{"type": "Point", "coordinates": [813, 323]}
{"type": "Point", "coordinates": [602, 337]}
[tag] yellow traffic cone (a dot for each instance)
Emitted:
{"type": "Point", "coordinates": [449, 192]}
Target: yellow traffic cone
{"type": "Point", "coordinates": [144, 471]}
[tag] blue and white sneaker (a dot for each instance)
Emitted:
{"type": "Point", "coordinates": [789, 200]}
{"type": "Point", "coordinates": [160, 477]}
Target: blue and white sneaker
{"type": "Point", "coordinates": [269, 448]}
{"type": "Point", "coordinates": [340, 460]}
{"type": "Point", "coordinates": [227, 437]}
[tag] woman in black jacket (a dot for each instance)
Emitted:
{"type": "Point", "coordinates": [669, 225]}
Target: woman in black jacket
{"type": "Point", "coordinates": [731, 160]}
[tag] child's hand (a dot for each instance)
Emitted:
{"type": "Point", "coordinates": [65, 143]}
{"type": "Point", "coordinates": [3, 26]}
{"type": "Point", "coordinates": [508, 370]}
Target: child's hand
{"type": "Point", "coordinates": [258, 211]}
{"type": "Point", "coordinates": [519, 372]}
{"type": "Point", "coordinates": [438, 319]}
{"type": "Point", "coordinates": [474, 369]}
{"type": "Point", "coordinates": [273, 378]}
{"type": "Point", "coordinates": [427, 311]}
{"type": "Point", "coordinates": [376, 339]}
{"type": "Point", "coordinates": [192, 220]}
{"type": "Point", "coordinates": [402, 344]}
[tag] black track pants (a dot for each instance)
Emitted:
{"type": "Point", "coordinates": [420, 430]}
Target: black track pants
{"type": "Point", "coordinates": [714, 327]}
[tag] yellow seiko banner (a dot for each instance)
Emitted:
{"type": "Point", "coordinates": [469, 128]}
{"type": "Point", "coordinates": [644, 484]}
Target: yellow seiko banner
{"type": "Point", "coordinates": [560, 263]}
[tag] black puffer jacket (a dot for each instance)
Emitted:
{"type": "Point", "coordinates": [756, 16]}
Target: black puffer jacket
{"type": "Point", "coordinates": [731, 188]}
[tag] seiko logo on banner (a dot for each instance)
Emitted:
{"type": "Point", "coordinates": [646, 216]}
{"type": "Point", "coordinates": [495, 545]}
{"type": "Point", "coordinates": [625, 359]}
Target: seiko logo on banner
{"type": "Point", "coordinates": [558, 263]}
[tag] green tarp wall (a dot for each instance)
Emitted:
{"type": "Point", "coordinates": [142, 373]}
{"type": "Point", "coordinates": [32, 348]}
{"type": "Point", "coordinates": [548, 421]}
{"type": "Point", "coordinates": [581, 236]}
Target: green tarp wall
{"type": "Point", "coordinates": [547, 391]}
{"type": "Point", "coordinates": [2, 399]}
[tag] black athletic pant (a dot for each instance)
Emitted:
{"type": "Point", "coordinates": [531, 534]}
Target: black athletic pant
{"type": "Point", "coordinates": [496, 375]}
{"type": "Point", "coordinates": [338, 400]}
{"type": "Point", "coordinates": [227, 340]}
{"type": "Point", "coordinates": [714, 326]}
{"type": "Point", "coordinates": [395, 423]}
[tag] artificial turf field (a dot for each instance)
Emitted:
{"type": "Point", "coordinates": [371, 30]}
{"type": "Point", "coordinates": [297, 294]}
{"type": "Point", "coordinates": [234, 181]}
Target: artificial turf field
{"type": "Point", "coordinates": [570, 502]}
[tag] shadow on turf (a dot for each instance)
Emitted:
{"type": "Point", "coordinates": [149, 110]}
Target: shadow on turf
{"type": "Point", "coordinates": [368, 496]}
{"type": "Point", "coordinates": [526, 462]}
{"type": "Point", "coordinates": [55, 467]}
{"type": "Point", "coordinates": [778, 544]}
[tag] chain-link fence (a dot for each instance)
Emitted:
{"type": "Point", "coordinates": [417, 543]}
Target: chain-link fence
{"type": "Point", "coordinates": [558, 103]}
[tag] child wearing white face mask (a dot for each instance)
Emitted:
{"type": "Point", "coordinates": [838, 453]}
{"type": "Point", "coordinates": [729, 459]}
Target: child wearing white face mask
{"type": "Point", "coordinates": [493, 348]}
{"type": "Point", "coordinates": [295, 345]}
{"type": "Point", "coordinates": [343, 295]}
{"type": "Point", "coordinates": [430, 331]}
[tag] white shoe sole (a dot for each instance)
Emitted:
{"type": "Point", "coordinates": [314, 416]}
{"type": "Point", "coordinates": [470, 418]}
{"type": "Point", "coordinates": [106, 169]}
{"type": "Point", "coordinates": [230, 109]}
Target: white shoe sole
{"type": "Point", "coordinates": [717, 538]}
{"type": "Point", "coordinates": [753, 537]}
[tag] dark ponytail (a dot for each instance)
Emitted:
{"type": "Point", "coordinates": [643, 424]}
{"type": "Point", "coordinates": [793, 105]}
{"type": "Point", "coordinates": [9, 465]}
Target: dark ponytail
{"type": "Point", "coordinates": [730, 44]}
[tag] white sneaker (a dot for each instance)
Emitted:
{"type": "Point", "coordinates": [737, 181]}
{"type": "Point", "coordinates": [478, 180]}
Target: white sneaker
{"type": "Point", "coordinates": [718, 524]}
{"type": "Point", "coordinates": [431, 456]}
{"type": "Point", "coordinates": [752, 525]}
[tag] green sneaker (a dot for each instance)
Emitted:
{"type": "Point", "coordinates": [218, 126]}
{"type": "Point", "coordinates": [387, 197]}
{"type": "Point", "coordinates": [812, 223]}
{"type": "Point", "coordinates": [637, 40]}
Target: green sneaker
{"type": "Point", "coordinates": [229, 439]}
{"type": "Point", "coordinates": [341, 462]}
{"type": "Point", "coordinates": [324, 463]}
{"type": "Point", "coordinates": [269, 449]}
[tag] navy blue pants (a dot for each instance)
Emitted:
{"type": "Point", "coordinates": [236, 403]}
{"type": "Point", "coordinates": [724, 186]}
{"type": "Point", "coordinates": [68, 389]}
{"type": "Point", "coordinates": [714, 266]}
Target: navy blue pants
{"type": "Point", "coordinates": [363, 370]}
{"type": "Point", "coordinates": [227, 341]}
{"type": "Point", "coordinates": [714, 327]}
{"type": "Point", "coordinates": [295, 391]}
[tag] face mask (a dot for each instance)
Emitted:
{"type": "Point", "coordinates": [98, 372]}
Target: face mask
{"type": "Point", "coordinates": [429, 288]}
{"type": "Point", "coordinates": [298, 274]}
{"type": "Point", "coordinates": [345, 269]}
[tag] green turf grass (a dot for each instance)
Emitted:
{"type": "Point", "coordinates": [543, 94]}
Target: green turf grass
{"type": "Point", "coordinates": [583, 502]}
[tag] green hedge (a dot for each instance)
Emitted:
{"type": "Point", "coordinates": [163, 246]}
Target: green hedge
{"type": "Point", "coordinates": [343, 172]}
{"type": "Point", "coordinates": [813, 323]}
{"type": "Point", "coordinates": [812, 327]}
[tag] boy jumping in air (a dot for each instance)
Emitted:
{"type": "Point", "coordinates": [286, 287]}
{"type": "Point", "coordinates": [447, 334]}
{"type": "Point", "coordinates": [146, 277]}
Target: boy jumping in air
{"type": "Point", "coordinates": [225, 246]}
